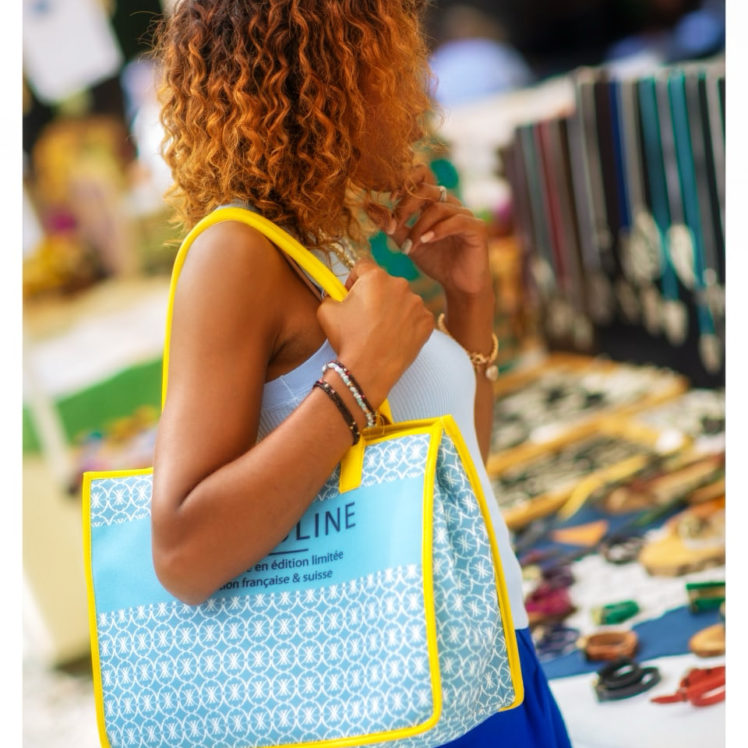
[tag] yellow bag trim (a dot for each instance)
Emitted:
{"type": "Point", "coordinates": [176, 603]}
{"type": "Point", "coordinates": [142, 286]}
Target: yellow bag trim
{"type": "Point", "coordinates": [90, 595]}
{"type": "Point", "coordinates": [515, 669]}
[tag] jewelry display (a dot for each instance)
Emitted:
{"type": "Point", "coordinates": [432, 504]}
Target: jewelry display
{"type": "Point", "coordinates": [699, 686]}
{"type": "Point", "coordinates": [698, 413]}
{"type": "Point", "coordinates": [554, 640]}
{"type": "Point", "coordinates": [555, 472]}
{"type": "Point", "coordinates": [615, 612]}
{"type": "Point", "coordinates": [609, 645]}
{"type": "Point", "coordinates": [705, 595]}
{"type": "Point", "coordinates": [621, 212]}
{"type": "Point", "coordinates": [559, 395]}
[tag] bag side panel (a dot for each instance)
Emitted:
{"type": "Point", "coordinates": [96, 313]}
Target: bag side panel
{"type": "Point", "coordinates": [474, 663]}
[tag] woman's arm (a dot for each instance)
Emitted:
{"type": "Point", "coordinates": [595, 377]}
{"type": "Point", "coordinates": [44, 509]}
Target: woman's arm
{"type": "Point", "coordinates": [220, 502]}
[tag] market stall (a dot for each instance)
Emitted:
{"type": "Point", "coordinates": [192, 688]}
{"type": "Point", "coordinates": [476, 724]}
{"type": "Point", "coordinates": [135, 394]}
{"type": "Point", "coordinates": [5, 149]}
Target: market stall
{"type": "Point", "coordinates": [603, 189]}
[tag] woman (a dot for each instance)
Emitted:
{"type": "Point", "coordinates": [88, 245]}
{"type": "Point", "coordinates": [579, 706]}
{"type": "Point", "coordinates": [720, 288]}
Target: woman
{"type": "Point", "coordinates": [307, 112]}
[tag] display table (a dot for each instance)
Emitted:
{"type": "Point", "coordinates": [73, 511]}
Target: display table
{"type": "Point", "coordinates": [96, 357]}
{"type": "Point", "coordinates": [636, 722]}
{"type": "Point", "coordinates": [664, 626]}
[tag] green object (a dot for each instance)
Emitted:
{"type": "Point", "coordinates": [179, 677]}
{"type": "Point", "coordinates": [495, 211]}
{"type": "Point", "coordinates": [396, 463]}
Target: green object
{"type": "Point", "coordinates": [395, 263]}
{"type": "Point", "coordinates": [703, 596]}
{"type": "Point", "coordinates": [93, 408]}
{"type": "Point", "coordinates": [446, 174]}
{"type": "Point", "coordinates": [615, 612]}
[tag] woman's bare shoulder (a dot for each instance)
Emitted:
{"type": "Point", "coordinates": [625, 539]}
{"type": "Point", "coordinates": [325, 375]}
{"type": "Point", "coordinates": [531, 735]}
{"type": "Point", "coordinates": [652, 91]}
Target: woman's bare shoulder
{"type": "Point", "coordinates": [232, 247]}
{"type": "Point", "coordinates": [232, 274]}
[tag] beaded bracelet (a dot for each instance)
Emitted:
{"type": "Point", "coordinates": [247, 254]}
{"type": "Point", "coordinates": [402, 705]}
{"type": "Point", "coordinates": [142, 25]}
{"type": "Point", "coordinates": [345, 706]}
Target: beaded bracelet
{"type": "Point", "coordinates": [355, 390]}
{"type": "Point", "coordinates": [341, 406]}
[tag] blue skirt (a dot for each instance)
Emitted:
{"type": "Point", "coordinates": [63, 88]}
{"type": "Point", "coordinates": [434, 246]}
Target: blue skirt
{"type": "Point", "coordinates": [536, 723]}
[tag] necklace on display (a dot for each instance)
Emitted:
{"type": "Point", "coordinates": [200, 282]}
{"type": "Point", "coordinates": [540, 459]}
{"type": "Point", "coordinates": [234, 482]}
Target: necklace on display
{"type": "Point", "coordinates": [583, 332]}
{"type": "Point", "coordinates": [708, 155]}
{"type": "Point", "coordinates": [680, 237]}
{"type": "Point", "coordinates": [679, 242]}
{"type": "Point", "coordinates": [544, 270]}
{"type": "Point", "coordinates": [594, 237]}
{"type": "Point", "coordinates": [569, 303]}
{"type": "Point", "coordinates": [604, 102]}
{"type": "Point", "coordinates": [673, 313]}
{"type": "Point", "coordinates": [642, 255]}
{"type": "Point", "coordinates": [710, 345]}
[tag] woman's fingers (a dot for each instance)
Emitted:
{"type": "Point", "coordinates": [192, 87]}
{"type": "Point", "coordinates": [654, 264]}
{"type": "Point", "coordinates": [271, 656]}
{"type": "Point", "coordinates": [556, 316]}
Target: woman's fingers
{"type": "Point", "coordinates": [381, 214]}
{"type": "Point", "coordinates": [434, 214]}
{"type": "Point", "coordinates": [438, 221]}
{"type": "Point", "coordinates": [462, 223]}
{"type": "Point", "coordinates": [362, 266]}
{"type": "Point", "coordinates": [427, 196]}
{"type": "Point", "coordinates": [378, 329]}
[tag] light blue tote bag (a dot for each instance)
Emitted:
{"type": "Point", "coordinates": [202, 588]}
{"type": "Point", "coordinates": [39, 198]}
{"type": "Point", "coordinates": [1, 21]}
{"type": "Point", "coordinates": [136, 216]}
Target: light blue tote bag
{"type": "Point", "coordinates": [381, 618]}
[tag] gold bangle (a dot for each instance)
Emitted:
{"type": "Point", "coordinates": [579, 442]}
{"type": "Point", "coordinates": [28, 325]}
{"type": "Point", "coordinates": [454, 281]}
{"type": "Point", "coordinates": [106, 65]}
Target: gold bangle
{"type": "Point", "coordinates": [478, 360]}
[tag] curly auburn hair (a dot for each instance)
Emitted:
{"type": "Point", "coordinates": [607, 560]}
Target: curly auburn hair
{"type": "Point", "coordinates": [270, 102]}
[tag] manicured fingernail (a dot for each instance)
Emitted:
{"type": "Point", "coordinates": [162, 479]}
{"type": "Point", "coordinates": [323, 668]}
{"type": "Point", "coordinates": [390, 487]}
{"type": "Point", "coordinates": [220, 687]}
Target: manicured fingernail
{"type": "Point", "coordinates": [427, 237]}
{"type": "Point", "coordinates": [406, 246]}
{"type": "Point", "coordinates": [391, 226]}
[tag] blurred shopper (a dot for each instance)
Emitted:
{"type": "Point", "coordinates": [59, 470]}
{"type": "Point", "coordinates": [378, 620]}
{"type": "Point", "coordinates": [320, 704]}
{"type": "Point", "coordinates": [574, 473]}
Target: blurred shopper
{"type": "Point", "coordinates": [473, 60]}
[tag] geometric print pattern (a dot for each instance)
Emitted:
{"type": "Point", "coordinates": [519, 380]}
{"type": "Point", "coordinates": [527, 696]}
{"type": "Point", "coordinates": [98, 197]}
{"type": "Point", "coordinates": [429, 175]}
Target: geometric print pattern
{"type": "Point", "coordinates": [309, 665]}
{"type": "Point", "coordinates": [211, 675]}
{"type": "Point", "coordinates": [383, 462]}
{"type": "Point", "coordinates": [117, 500]}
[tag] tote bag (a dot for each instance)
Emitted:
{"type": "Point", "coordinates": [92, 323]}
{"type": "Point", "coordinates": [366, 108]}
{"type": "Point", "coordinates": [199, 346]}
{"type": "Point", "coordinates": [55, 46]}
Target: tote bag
{"type": "Point", "coordinates": [381, 618]}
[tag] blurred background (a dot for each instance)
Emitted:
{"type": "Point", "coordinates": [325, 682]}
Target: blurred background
{"type": "Point", "coordinates": [588, 133]}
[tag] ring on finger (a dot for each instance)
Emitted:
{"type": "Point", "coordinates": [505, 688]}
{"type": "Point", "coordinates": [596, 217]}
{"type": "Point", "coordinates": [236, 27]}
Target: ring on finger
{"type": "Point", "coordinates": [442, 193]}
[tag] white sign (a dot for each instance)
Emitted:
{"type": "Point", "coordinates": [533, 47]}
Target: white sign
{"type": "Point", "coordinates": [68, 46]}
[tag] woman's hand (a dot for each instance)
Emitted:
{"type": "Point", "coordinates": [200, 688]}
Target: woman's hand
{"type": "Point", "coordinates": [378, 329]}
{"type": "Point", "coordinates": [446, 242]}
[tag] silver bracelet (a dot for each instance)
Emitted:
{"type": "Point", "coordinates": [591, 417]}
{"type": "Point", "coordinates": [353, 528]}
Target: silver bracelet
{"type": "Point", "coordinates": [355, 390]}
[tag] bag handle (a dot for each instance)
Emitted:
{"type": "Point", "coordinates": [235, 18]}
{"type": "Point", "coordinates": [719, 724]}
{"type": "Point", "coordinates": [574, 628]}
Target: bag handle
{"type": "Point", "coordinates": [278, 236]}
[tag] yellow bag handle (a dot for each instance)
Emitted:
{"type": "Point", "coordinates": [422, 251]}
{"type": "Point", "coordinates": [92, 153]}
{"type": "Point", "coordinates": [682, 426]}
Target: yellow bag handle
{"type": "Point", "coordinates": [278, 236]}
